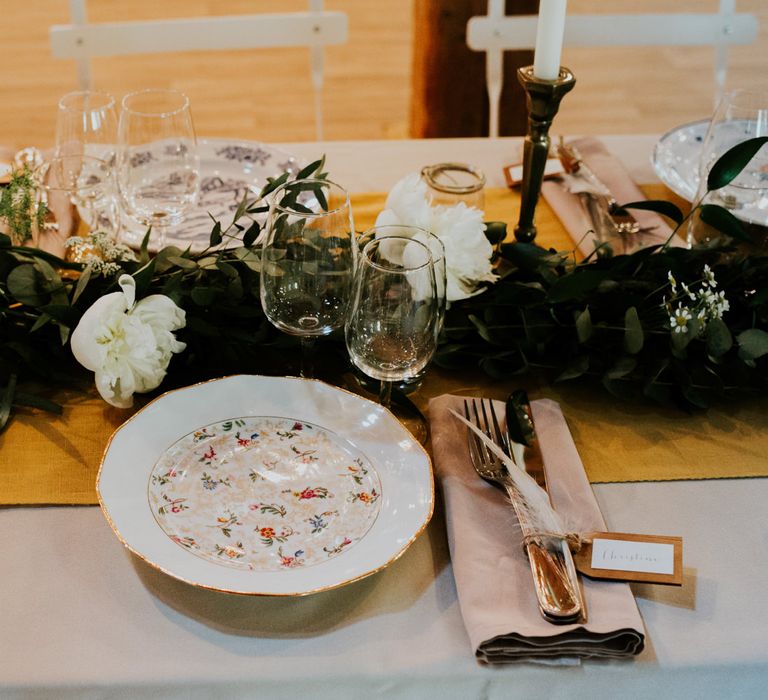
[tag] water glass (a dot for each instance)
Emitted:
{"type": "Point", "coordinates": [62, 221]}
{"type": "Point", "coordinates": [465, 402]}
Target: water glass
{"type": "Point", "coordinates": [308, 259]}
{"type": "Point", "coordinates": [740, 115]}
{"type": "Point", "coordinates": [158, 167]}
{"type": "Point", "coordinates": [86, 123]}
{"type": "Point", "coordinates": [86, 182]}
{"type": "Point", "coordinates": [391, 332]}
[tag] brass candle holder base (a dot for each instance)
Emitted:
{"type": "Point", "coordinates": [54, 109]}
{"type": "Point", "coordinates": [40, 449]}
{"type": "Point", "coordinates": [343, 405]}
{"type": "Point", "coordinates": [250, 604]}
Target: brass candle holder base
{"type": "Point", "coordinates": [543, 99]}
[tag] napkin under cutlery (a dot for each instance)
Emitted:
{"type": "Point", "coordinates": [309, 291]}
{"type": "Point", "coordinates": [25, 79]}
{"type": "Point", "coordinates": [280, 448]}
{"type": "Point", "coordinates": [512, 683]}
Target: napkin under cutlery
{"type": "Point", "coordinates": [493, 578]}
{"type": "Point", "coordinates": [611, 173]}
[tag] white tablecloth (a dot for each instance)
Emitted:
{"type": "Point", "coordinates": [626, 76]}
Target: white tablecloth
{"type": "Point", "coordinates": [81, 618]}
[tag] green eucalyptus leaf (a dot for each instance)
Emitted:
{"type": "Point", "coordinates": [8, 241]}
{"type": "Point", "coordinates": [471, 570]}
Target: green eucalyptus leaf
{"type": "Point", "coordinates": [482, 329]}
{"type": "Point", "coordinates": [42, 319]}
{"type": "Point", "coordinates": [575, 368]}
{"type": "Point", "coordinates": [659, 206]}
{"type": "Point", "coordinates": [183, 263]}
{"type": "Point", "coordinates": [215, 238]}
{"type": "Point", "coordinates": [621, 368]}
{"type": "Point", "coordinates": [633, 331]}
{"type": "Point", "coordinates": [495, 231]}
{"type": "Point", "coordinates": [584, 326]}
{"type": "Point", "coordinates": [274, 183]}
{"type": "Point", "coordinates": [753, 343]}
{"type": "Point", "coordinates": [63, 313]}
{"type": "Point", "coordinates": [308, 170]}
{"type": "Point", "coordinates": [204, 296]}
{"type": "Point", "coordinates": [719, 339]}
{"type": "Point", "coordinates": [143, 277]}
{"type": "Point", "coordinates": [575, 285]}
{"type": "Point", "coordinates": [25, 285]}
{"type": "Point", "coordinates": [250, 236]}
{"type": "Point", "coordinates": [729, 165]}
{"type": "Point", "coordinates": [82, 283]}
{"type": "Point", "coordinates": [144, 249]}
{"type": "Point", "coordinates": [227, 269]}
{"type": "Point", "coordinates": [725, 222]}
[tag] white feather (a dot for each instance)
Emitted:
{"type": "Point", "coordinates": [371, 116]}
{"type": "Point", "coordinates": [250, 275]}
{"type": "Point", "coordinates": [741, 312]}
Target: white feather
{"type": "Point", "coordinates": [530, 500]}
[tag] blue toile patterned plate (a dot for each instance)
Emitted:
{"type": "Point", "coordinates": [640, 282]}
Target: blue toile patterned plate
{"type": "Point", "coordinates": [229, 171]}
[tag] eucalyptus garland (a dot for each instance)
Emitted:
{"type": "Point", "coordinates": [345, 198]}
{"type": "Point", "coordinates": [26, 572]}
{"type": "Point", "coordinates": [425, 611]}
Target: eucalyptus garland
{"type": "Point", "coordinates": [669, 324]}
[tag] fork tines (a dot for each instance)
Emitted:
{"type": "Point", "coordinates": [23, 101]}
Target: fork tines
{"type": "Point", "coordinates": [490, 427]}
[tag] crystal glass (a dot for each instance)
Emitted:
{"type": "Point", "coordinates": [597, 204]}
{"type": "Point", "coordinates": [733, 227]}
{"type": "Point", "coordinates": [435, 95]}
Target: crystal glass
{"type": "Point", "coordinates": [89, 184]}
{"type": "Point", "coordinates": [158, 167]}
{"type": "Point", "coordinates": [308, 259]}
{"type": "Point", "coordinates": [86, 123]}
{"type": "Point", "coordinates": [740, 115]}
{"type": "Point", "coordinates": [391, 332]}
{"type": "Point", "coordinates": [451, 183]}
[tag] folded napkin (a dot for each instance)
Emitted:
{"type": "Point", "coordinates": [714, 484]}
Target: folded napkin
{"type": "Point", "coordinates": [609, 170]}
{"type": "Point", "coordinates": [490, 566]}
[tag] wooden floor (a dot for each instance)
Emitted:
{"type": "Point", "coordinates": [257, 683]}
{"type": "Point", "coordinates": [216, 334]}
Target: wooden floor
{"type": "Point", "coordinates": [266, 95]}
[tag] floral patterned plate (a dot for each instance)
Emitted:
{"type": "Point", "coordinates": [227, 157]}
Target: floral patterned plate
{"type": "Point", "coordinates": [265, 485]}
{"type": "Point", "coordinates": [229, 171]}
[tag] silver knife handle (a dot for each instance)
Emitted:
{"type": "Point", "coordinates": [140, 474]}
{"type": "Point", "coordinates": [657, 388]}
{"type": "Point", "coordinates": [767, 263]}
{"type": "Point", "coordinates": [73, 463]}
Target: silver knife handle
{"type": "Point", "coordinates": [554, 573]}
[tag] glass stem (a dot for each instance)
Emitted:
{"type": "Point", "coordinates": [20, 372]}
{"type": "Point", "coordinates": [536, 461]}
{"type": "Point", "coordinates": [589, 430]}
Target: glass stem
{"type": "Point", "coordinates": [307, 357]}
{"type": "Point", "coordinates": [385, 393]}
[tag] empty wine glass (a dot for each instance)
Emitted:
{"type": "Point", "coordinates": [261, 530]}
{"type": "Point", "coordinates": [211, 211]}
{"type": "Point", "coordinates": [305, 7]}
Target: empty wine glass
{"type": "Point", "coordinates": [740, 115]}
{"type": "Point", "coordinates": [86, 123]}
{"type": "Point", "coordinates": [88, 183]}
{"type": "Point", "coordinates": [391, 331]}
{"type": "Point", "coordinates": [158, 167]}
{"type": "Point", "coordinates": [308, 259]}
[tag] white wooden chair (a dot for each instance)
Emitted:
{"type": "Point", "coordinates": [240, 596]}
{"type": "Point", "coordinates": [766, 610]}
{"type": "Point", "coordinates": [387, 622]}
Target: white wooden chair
{"type": "Point", "coordinates": [315, 28]}
{"type": "Point", "coordinates": [496, 33]}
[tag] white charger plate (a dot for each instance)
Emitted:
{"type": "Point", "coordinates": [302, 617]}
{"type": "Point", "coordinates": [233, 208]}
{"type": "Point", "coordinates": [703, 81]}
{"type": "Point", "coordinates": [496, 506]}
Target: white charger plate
{"type": "Point", "coordinates": [265, 486]}
{"type": "Point", "coordinates": [229, 171]}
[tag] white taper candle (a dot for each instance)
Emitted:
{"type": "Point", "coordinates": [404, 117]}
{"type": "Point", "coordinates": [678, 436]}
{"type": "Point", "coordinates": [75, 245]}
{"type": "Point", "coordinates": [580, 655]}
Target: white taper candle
{"type": "Point", "coordinates": [549, 39]}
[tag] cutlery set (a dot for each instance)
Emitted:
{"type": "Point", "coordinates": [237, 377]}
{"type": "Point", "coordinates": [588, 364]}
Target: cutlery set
{"type": "Point", "coordinates": [554, 574]}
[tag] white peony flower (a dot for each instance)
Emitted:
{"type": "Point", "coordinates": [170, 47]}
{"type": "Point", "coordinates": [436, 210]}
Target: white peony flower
{"type": "Point", "coordinates": [127, 344]}
{"type": "Point", "coordinates": [460, 228]}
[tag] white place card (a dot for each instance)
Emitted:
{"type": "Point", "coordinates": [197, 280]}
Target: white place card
{"type": "Point", "coordinates": [625, 556]}
{"type": "Point", "coordinates": [622, 555]}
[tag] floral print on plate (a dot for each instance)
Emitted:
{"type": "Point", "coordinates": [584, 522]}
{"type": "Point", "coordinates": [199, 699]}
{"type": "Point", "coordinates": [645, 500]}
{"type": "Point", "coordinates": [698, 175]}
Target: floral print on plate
{"type": "Point", "coordinates": [264, 493]}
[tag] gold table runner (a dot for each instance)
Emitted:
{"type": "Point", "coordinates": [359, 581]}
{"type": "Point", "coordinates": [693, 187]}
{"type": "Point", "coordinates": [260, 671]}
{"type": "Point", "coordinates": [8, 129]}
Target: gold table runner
{"type": "Point", "coordinates": [47, 459]}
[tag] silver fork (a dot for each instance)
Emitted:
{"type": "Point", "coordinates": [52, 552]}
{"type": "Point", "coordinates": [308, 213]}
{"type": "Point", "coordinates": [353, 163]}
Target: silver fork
{"type": "Point", "coordinates": [554, 574]}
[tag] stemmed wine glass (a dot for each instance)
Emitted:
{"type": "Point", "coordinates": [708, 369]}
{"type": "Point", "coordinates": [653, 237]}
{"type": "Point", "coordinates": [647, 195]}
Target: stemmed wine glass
{"type": "Point", "coordinates": [88, 183]}
{"type": "Point", "coordinates": [308, 258]}
{"type": "Point", "coordinates": [740, 115]}
{"type": "Point", "coordinates": [86, 124]}
{"type": "Point", "coordinates": [158, 167]}
{"type": "Point", "coordinates": [391, 331]}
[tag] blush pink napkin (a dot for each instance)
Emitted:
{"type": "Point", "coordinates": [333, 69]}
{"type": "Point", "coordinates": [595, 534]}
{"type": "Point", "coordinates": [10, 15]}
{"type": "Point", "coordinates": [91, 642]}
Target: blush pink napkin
{"type": "Point", "coordinates": [492, 574]}
{"type": "Point", "coordinates": [609, 170]}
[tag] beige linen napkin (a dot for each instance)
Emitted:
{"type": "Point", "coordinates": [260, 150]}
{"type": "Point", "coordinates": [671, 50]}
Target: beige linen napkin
{"type": "Point", "coordinates": [492, 574]}
{"type": "Point", "coordinates": [614, 176]}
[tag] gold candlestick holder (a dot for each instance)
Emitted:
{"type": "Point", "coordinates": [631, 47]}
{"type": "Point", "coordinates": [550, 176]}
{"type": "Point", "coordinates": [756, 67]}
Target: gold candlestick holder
{"type": "Point", "coordinates": [543, 100]}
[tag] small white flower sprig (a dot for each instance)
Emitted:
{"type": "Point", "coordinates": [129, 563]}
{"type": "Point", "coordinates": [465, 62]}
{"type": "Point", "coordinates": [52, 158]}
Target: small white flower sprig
{"type": "Point", "coordinates": [100, 253]}
{"type": "Point", "coordinates": [697, 304]}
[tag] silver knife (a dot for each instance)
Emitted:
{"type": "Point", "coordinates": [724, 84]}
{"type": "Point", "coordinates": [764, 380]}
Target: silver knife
{"type": "Point", "coordinates": [558, 589]}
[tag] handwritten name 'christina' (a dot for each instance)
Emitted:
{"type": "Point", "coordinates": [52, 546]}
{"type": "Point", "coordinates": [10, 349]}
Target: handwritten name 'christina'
{"type": "Point", "coordinates": [613, 555]}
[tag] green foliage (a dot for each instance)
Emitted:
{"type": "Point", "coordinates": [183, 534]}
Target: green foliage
{"type": "Point", "coordinates": [19, 207]}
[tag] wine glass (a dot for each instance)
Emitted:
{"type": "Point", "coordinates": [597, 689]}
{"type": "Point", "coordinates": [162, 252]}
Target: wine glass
{"type": "Point", "coordinates": [391, 331]}
{"type": "Point", "coordinates": [158, 167]}
{"type": "Point", "coordinates": [740, 115]}
{"type": "Point", "coordinates": [88, 183]}
{"type": "Point", "coordinates": [86, 123]}
{"type": "Point", "coordinates": [437, 250]}
{"type": "Point", "coordinates": [308, 259]}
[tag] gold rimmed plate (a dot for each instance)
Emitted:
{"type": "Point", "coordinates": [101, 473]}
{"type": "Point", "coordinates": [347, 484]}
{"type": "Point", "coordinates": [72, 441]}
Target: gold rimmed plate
{"type": "Point", "coordinates": [265, 486]}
